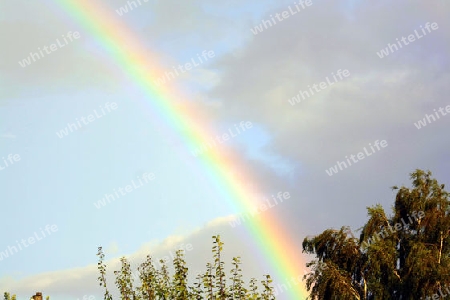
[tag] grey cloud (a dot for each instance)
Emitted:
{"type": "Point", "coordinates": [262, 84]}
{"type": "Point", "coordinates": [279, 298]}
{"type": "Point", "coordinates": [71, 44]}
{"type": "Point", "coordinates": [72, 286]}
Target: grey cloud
{"type": "Point", "coordinates": [379, 100]}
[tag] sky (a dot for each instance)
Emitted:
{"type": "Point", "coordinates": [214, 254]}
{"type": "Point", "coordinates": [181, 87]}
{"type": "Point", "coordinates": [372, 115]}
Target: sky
{"type": "Point", "coordinates": [331, 80]}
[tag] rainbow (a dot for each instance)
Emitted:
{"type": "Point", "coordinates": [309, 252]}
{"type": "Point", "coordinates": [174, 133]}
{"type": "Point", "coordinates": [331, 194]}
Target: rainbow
{"type": "Point", "coordinates": [125, 50]}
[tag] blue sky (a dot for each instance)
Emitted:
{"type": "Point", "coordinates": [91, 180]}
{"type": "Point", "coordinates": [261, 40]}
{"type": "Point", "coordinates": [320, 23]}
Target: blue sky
{"type": "Point", "coordinates": [108, 153]}
{"type": "Point", "coordinates": [250, 78]}
{"type": "Point", "coordinates": [86, 164]}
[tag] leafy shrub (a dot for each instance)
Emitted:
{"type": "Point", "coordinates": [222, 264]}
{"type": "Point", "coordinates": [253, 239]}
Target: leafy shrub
{"type": "Point", "coordinates": [158, 285]}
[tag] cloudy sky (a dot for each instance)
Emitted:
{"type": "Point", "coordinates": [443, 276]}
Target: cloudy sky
{"type": "Point", "coordinates": [327, 82]}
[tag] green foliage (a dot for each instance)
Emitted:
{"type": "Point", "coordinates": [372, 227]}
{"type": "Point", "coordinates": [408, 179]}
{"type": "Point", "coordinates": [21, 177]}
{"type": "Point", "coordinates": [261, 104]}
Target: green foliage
{"type": "Point", "coordinates": [405, 256]}
{"type": "Point", "coordinates": [218, 265]}
{"type": "Point", "coordinates": [102, 269]}
{"type": "Point", "coordinates": [237, 289]}
{"type": "Point", "coordinates": [159, 285]}
{"type": "Point", "coordinates": [180, 277]}
{"type": "Point", "coordinates": [7, 296]}
{"type": "Point", "coordinates": [124, 281]}
{"type": "Point", "coordinates": [147, 276]}
{"type": "Point", "coordinates": [267, 294]}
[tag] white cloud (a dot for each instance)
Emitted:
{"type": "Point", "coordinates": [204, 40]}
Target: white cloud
{"type": "Point", "coordinates": [74, 283]}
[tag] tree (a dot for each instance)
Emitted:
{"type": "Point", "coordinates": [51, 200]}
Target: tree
{"type": "Point", "coordinates": [403, 256]}
{"type": "Point", "coordinates": [158, 285]}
